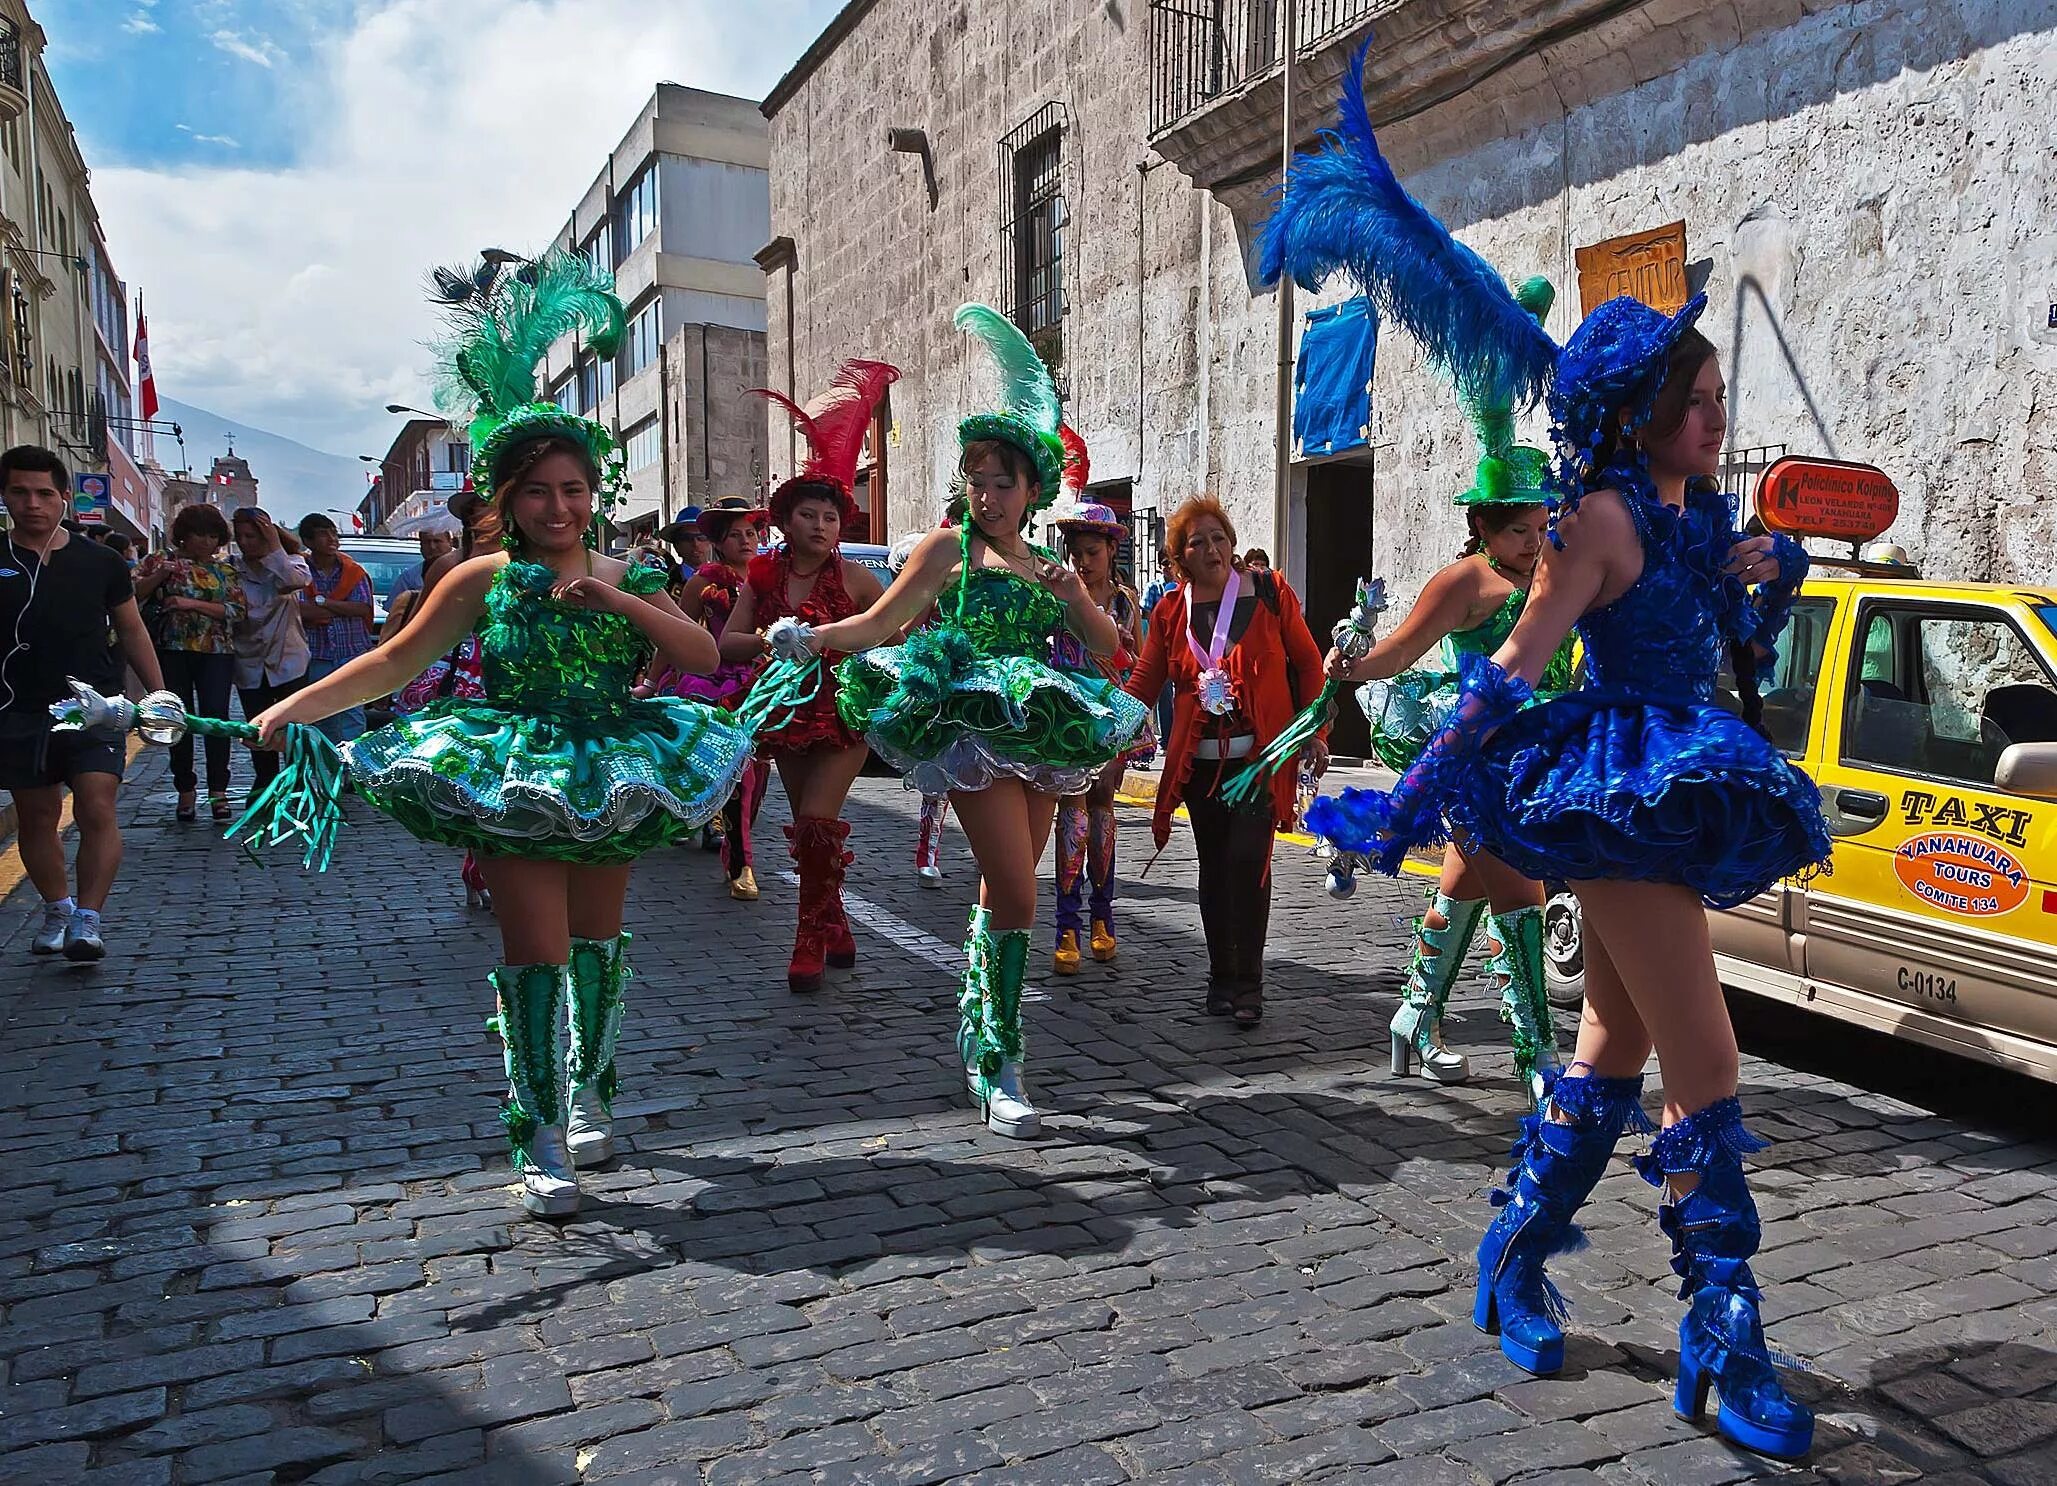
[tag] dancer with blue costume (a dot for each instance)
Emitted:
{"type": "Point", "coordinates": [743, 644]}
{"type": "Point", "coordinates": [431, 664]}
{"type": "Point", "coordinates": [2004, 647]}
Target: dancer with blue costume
{"type": "Point", "coordinates": [1468, 609]}
{"type": "Point", "coordinates": [969, 705]}
{"type": "Point", "coordinates": [1638, 788]}
{"type": "Point", "coordinates": [557, 777]}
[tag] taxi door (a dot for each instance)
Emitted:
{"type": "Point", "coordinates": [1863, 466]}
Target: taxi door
{"type": "Point", "coordinates": [1758, 938]}
{"type": "Point", "coordinates": [1939, 918]}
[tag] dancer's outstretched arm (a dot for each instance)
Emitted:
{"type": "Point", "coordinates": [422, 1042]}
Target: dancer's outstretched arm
{"type": "Point", "coordinates": [1444, 602]}
{"type": "Point", "coordinates": [899, 606]}
{"type": "Point", "coordinates": [446, 617]}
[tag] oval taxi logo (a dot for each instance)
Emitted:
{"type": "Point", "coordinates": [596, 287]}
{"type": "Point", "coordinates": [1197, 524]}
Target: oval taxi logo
{"type": "Point", "coordinates": [1961, 874]}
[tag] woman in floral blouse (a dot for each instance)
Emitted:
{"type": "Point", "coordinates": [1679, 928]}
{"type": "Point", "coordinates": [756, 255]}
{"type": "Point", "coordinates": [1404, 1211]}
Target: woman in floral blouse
{"type": "Point", "coordinates": [198, 601]}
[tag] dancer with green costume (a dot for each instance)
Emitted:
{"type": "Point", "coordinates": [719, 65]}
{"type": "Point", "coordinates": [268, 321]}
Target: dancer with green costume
{"type": "Point", "coordinates": [970, 706]}
{"type": "Point", "coordinates": [1470, 608]}
{"type": "Point", "coordinates": [558, 778]}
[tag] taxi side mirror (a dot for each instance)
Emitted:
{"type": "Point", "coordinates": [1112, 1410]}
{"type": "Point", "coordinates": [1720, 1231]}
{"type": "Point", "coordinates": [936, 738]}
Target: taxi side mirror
{"type": "Point", "coordinates": [2028, 769]}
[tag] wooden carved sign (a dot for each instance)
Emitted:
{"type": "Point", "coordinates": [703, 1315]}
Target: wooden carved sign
{"type": "Point", "coordinates": [1827, 498]}
{"type": "Point", "coordinates": [1650, 266]}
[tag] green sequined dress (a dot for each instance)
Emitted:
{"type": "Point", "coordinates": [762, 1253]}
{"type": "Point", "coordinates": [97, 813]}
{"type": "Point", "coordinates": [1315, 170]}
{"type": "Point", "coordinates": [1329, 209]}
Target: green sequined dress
{"type": "Point", "coordinates": [558, 762]}
{"type": "Point", "coordinates": [1406, 709]}
{"type": "Point", "coordinates": [973, 698]}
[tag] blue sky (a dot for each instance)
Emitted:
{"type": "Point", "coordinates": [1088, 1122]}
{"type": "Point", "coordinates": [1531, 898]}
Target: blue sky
{"type": "Point", "coordinates": [190, 82]}
{"type": "Point", "coordinates": [274, 175]}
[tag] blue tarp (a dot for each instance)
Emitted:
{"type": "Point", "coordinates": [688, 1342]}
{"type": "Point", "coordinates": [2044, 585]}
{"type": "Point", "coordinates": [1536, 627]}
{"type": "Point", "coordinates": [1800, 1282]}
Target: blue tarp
{"type": "Point", "coordinates": [1332, 385]}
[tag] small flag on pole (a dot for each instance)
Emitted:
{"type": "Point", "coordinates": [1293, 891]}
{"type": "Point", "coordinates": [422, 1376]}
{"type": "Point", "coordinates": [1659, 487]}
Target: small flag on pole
{"type": "Point", "coordinates": [145, 378]}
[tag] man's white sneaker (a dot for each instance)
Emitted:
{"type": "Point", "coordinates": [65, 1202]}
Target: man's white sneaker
{"type": "Point", "coordinates": [549, 1185]}
{"type": "Point", "coordinates": [49, 938]}
{"type": "Point", "coordinates": [589, 1129]}
{"type": "Point", "coordinates": [82, 937]}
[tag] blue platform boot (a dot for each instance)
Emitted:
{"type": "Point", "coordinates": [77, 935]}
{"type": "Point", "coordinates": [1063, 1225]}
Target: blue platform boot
{"type": "Point", "coordinates": [1714, 1231]}
{"type": "Point", "coordinates": [1558, 1162]}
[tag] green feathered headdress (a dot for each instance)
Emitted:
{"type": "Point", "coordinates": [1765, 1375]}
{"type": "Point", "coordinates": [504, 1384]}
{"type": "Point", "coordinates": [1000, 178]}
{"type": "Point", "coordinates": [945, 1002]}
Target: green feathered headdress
{"type": "Point", "coordinates": [1029, 415]}
{"type": "Point", "coordinates": [1508, 473]}
{"type": "Point", "coordinates": [501, 324]}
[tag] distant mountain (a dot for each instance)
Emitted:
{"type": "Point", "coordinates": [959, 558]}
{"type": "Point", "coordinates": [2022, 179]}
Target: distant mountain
{"type": "Point", "coordinates": [292, 479]}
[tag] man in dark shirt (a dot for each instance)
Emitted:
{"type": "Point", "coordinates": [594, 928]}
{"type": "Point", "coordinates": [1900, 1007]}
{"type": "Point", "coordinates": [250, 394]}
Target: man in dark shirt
{"type": "Point", "coordinates": [66, 609]}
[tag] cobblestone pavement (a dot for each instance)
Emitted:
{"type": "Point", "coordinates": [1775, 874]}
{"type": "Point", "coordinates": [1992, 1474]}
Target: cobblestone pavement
{"type": "Point", "coordinates": [259, 1226]}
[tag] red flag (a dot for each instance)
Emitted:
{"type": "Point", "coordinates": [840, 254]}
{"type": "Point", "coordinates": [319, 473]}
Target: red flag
{"type": "Point", "coordinates": [145, 379]}
{"type": "Point", "coordinates": [357, 522]}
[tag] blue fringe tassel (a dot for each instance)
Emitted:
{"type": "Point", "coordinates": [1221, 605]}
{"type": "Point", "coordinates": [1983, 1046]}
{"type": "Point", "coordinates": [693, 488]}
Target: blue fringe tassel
{"type": "Point", "coordinates": [1696, 1141]}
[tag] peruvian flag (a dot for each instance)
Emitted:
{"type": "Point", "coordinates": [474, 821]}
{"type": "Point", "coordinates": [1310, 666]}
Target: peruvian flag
{"type": "Point", "coordinates": [144, 376]}
{"type": "Point", "coordinates": [357, 522]}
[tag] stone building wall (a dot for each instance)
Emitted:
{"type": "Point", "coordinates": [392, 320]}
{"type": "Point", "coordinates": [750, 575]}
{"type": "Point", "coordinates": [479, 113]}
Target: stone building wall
{"type": "Point", "coordinates": [1884, 169]}
{"type": "Point", "coordinates": [717, 434]}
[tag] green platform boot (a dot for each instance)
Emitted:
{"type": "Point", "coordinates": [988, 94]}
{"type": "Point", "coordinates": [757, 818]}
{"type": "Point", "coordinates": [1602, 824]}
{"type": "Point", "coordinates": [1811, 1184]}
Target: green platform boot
{"type": "Point", "coordinates": [1417, 1027]}
{"type": "Point", "coordinates": [1516, 965]}
{"type": "Point", "coordinates": [599, 976]}
{"type": "Point", "coordinates": [532, 1030]}
{"type": "Point", "coordinates": [989, 1027]}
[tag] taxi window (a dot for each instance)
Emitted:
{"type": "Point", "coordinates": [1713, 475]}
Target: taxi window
{"type": "Point", "coordinates": [1946, 693]}
{"type": "Point", "coordinates": [1788, 683]}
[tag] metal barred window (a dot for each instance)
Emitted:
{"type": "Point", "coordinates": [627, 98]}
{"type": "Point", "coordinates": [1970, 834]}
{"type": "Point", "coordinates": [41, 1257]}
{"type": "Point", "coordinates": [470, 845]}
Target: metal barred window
{"type": "Point", "coordinates": [1032, 239]}
{"type": "Point", "coordinates": [1201, 49]}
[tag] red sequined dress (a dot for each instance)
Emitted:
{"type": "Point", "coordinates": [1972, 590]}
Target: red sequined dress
{"type": "Point", "coordinates": [815, 725]}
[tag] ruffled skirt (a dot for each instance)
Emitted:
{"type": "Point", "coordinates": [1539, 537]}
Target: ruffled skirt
{"type": "Point", "coordinates": [951, 719]}
{"type": "Point", "coordinates": [1592, 785]}
{"type": "Point", "coordinates": [596, 786]}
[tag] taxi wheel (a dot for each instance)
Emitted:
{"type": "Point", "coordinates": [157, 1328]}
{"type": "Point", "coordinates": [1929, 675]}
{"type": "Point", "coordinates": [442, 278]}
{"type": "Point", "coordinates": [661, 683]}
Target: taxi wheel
{"type": "Point", "coordinates": [1564, 949]}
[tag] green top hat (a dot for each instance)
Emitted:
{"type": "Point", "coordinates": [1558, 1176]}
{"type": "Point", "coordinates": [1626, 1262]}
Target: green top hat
{"type": "Point", "coordinates": [1509, 474]}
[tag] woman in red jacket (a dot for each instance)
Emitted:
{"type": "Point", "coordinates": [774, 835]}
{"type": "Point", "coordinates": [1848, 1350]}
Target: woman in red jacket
{"type": "Point", "coordinates": [1241, 662]}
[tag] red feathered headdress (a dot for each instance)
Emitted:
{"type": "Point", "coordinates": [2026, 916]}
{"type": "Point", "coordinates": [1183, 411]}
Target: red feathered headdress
{"type": "Point", "coordinates": [1077, 468]}
{"type": "Point", "coordinates": [834, 427]}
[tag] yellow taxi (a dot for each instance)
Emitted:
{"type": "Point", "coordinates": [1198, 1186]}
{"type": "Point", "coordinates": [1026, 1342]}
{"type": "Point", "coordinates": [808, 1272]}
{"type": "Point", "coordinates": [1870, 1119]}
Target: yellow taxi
{"type": "Point", "coordinates": [1927, 714]}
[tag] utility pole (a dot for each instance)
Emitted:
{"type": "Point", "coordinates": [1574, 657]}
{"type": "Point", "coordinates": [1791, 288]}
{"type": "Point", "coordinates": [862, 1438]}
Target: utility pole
{"type": "Point", "coordinates": [1282, 494]}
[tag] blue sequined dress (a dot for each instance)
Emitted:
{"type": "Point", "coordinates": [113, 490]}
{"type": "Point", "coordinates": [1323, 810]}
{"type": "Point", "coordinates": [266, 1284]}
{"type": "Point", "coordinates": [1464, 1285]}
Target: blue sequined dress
{"type": "Point", "coordinates": [1640, 774]}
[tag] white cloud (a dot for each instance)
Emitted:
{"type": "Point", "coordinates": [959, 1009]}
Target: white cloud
{"type": "Point", "coordinates": [292, 298]}
{"type": "Point", "coordinates": [140, 24]}
{"type": "Point", "coordinates": [198, 138]}
{"type": "Point", "coordinates": [260, 50]}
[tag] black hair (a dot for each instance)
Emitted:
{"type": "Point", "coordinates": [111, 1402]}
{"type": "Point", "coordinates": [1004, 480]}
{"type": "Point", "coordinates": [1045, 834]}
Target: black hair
{"type": "Point", "coordinates": [1489, 521]}
{"type": "Point", "coordinates": [199, 520]}
{"type": "Point", "coordinates": [314, 521]}
{"type": "Point", "coordinates": [36, 460]}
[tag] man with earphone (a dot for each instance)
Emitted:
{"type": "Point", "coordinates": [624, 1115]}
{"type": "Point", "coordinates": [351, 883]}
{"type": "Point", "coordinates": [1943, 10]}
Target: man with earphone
{"type": "Point", "coordinates": [67, 608]}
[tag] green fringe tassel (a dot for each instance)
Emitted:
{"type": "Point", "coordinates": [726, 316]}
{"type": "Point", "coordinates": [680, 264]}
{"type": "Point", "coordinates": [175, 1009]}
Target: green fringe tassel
{"type": "Point", "coordinates": [782, 686]}
{"type": "Point", "coordinates": [304, 801]}
{"type": "Point", "coordinates": [1256, 776]}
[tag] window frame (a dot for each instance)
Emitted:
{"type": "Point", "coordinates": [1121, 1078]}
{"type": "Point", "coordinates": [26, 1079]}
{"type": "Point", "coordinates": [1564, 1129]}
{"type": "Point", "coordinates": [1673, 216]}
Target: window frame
{"type": "Point", "coordinates": [653, 428]}
{"type": "Point", "coordinates": [1826, 604]}
{"type": "Point", "coordinates": [1945, 609]}
{"type": "Point", "coordinates": [1033, 232]}
{"type": "Point", "coordinates": [652, 309]}
{"type": "Point", "coordinates": [635, 205]}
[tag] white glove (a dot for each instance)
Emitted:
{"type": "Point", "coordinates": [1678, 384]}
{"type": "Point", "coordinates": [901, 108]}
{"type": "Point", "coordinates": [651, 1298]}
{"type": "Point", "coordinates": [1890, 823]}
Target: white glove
{"type": "Point", "coordinates": [790, 639]}
{"type": "Point", "coordinates": [90, 712]}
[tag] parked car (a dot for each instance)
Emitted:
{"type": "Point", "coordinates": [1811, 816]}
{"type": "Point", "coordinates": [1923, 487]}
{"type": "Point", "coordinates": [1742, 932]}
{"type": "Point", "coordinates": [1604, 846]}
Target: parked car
{"type": "Point", "coordinates": [1927, 714]}
{"type": "Point", "coordinates": [383, 559]}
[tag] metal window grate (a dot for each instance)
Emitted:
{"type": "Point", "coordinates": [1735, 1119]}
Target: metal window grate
{"type": "Point", "coordinates": [1740, 469]}
{"type": "Point", "coordinates": [1032, 238]}
{"type": "Point", "coordinates": [1201, 49]}
{"type": "Point", "coordinates": [10, 55]}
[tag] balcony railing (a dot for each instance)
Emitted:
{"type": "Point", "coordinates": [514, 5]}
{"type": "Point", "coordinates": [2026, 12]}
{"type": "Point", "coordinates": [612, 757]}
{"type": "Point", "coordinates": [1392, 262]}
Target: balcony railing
{"type": "Point", "coordinates": [1202, 49]}
{"type": "Point", "coordinates": [10, 56]}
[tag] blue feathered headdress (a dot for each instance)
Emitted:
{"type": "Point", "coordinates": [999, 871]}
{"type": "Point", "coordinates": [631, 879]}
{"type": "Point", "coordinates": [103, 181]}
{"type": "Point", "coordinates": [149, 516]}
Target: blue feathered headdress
{"type": "Point", "coordinates": [1341, 209]}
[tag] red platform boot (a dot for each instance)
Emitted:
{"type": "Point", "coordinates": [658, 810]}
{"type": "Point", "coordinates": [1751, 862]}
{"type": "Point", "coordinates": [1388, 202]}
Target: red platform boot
{"type": "Point", "coordinates": [818, 850]}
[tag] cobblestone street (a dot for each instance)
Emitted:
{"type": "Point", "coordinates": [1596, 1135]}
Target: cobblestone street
{"type": "Point", "coordinates": [260, 1226]}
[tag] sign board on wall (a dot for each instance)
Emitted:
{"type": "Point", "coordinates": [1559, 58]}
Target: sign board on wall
{"type": "Point", "coordinates": [91, 495]}
{"type": "Point", "coordinates": [1650, 266]}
